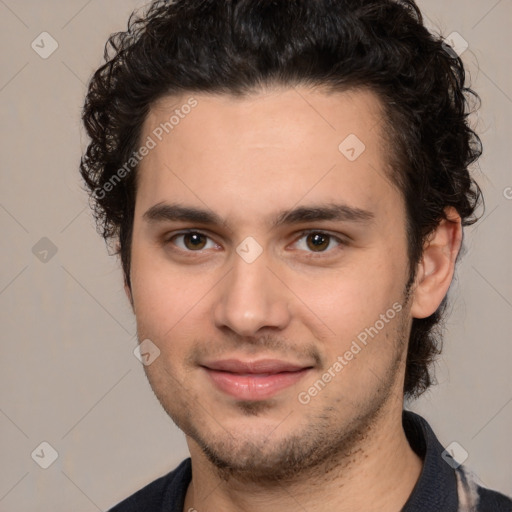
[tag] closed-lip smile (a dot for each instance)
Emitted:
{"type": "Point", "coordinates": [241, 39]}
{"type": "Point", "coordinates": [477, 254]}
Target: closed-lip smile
{"type": "Point", "coordinates": [254, 379]}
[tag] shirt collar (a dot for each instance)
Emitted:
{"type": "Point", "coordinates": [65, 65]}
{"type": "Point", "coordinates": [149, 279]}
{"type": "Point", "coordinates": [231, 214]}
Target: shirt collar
{"type": "Point", "coordinates": [436, 488]}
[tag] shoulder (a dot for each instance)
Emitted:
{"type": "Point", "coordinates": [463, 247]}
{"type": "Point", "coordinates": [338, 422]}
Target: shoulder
{"type": "Point", "coordinates": [444, 484]}
{"type": "Point", "coordinates": [165, 493]}
{"type": "Point", "coordinates": [493, 501]}
{"type": "Point", "coordinates": [473, 496]}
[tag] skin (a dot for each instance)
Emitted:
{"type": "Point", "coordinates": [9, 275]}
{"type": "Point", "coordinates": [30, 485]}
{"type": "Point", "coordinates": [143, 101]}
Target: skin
{"type": "Point", "coordinates": [247, 160]}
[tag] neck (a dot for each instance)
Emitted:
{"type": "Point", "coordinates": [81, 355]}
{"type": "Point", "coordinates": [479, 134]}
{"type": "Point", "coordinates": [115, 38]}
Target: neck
{"type": "Point", "coordinates": [378, 474]}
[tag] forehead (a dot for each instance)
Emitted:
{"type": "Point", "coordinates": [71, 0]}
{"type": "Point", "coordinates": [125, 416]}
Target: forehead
{"type": "Point", "coordinates": [280, 145]}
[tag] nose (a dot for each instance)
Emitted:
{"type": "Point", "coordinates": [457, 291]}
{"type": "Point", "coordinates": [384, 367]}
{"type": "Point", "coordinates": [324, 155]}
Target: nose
{"type": "Point", "coordinates": [251, 298]}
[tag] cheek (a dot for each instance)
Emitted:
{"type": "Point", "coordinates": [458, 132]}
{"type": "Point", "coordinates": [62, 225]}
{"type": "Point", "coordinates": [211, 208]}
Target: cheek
{"type": "Point", "coordinates": [364, 312]}
{"type": "Point", "coordinates": [350, 300]}
{"type": "Point", "coordinates": [164, 297]}
{"type": "Point", "coordinates": [172, 316]}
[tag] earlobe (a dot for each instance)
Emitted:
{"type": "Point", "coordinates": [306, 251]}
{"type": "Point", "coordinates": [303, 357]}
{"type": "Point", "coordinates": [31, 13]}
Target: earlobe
{"type": "Point", "coordinates": [435, 270]}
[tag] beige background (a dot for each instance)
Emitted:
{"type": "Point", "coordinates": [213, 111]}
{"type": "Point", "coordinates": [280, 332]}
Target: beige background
{"type": "Point", "coordinates": [68, 375]}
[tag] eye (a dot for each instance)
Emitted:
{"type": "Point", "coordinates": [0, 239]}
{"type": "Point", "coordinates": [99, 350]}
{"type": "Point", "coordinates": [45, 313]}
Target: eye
{"type": "Point", "coordinates": [192, 241]}
{"type": "Point", "coordinates": [317, 241]}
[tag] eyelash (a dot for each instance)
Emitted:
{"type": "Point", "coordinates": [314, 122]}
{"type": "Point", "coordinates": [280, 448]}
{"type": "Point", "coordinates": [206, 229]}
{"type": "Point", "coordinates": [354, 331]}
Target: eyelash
{"type": "Point", "coordinates": [311, 254]}
{"type": "Point", "coordinates": [183, 233]}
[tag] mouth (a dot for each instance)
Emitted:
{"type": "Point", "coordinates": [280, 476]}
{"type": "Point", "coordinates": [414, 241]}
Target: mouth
{"type": "Point", "coordinates": [254, 380]}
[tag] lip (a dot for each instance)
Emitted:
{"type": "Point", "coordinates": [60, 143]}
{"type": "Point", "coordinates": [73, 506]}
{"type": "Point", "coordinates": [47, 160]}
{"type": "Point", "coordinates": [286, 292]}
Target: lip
{"type": "Point", "coordinates": [260, 366]}
{"type": "Point", "coordinates": [254, 380]}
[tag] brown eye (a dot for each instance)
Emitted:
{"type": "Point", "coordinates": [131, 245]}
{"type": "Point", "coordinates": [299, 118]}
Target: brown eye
{"type": "Point", "coordinates": [194, 241]}
{"type": "Point", "coordinates": [318, 242]}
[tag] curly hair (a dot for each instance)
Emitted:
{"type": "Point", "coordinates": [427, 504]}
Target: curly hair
{"type": "Point", "coordinates": [235, 47]}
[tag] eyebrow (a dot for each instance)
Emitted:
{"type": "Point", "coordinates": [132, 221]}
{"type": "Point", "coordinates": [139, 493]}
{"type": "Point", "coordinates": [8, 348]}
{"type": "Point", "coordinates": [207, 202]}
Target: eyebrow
{"type": "Point", "coordinates": [163, 212]}
{"type": "Point", "coordinates": [333, 212]}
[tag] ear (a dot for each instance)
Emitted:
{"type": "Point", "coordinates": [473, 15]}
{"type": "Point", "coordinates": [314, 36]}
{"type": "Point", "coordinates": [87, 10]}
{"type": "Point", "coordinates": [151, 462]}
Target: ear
{"type": "Point", "coordinates": [434, 272]}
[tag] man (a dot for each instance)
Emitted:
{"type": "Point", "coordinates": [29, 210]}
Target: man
{"type": "Point", "coordinates": [287, 184]}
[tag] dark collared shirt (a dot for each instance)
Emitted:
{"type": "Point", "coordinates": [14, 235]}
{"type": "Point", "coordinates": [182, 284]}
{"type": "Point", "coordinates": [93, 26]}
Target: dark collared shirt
{"type": "Point", "coordinates": [443, 486]}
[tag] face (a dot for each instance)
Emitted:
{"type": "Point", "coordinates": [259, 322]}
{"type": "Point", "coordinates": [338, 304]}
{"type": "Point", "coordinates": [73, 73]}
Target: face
{"type": "Point", "coordinates": [269, 267]}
